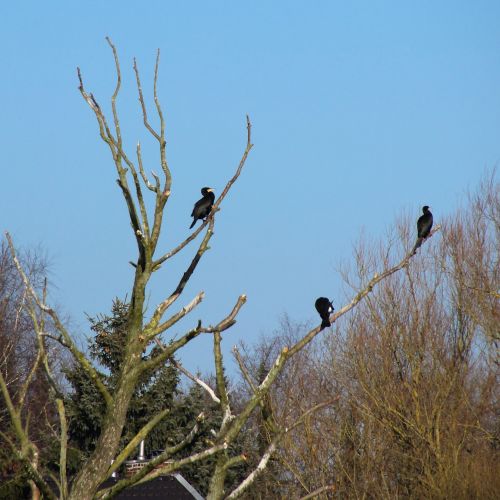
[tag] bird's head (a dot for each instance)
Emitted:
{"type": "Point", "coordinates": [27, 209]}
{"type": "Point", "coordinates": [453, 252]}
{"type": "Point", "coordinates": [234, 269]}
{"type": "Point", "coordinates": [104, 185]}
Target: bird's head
{"type": "Point", "coordinates": [206, 190]}
{"type": "Point", "coordinates": [425, 209]}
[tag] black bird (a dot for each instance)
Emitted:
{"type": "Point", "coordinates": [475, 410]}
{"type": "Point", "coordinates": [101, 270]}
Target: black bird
{"type": "Point", "coordinates": [324, 308]}
{"type": "Point", "coordinates": [424, 226]}
{"type": "Point", "coordinates": [203, 206]}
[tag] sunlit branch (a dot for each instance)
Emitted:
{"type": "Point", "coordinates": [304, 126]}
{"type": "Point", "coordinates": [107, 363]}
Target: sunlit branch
{"type": "Point", "coordinates": [80, 358]}
{"type": "Point", "coordinates": [243, 368]}
{"type": "Point", "coordinates": [148, 471]}
{"type": "Point", "coordinates": [118, 154]}
{"type": "Point", "coordinates": [26, 452]}
{"type": "Point", "coordinates": [29, 378]}
{"type": "Point", "coordinates": [234, 461]}
{"type": "Point", "coordinates": [286, 353]}
{"type": "Point", "coordinates": [150, 186]}
{"type": "Point", "coordinates": [143, 104]}
{"type": "Point", "coordinates": [134, 442]}
{"type": "Point", "coordinates": [217, 203]}
{"type": "Point", "coordinates": [195, 379]}
{"type": "Point", "coordinates": [160, 310]}
{"type": "Point", "coordinates": [377, 278]}
{"type": "Point", "coordinates": [163, 158]}
{"type": "Point", "coordinates": [188, 374]}
{"type": "Point", "coordinates": [177, 316]}
{"type": "Point", "coordinates": [223, 325]}
{"type": "Point", "coordinates": [317, 492]}
{"type": "Point", "coordinates": [237, 492]}
{"type": "Point", "coordinates": [219, 377]}
{"type": "Point", "coordinates": [115, 93]}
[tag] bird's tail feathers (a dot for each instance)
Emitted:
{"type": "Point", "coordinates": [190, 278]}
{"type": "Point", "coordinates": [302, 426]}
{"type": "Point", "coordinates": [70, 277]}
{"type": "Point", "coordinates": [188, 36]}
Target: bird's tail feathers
{"type": "Point", "coordinates": [192, 224]}
{"type": "Point", "coordinates": [418, 244]}
{"type": "Point", "coordinates": [325, 323]}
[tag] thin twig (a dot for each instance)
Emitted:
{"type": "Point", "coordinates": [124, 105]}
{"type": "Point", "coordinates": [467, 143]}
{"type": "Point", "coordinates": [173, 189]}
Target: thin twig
{"type": "Point", "coordinates": [315, 493]}
{"type": "Point", "coordinates": [243, 369]}
{"type": "Point", "coordinates": [163, 157]}
{"type": "Point", "coordinates": [150, 186]}
{"type": "Point", "coordinates": [143, 105]}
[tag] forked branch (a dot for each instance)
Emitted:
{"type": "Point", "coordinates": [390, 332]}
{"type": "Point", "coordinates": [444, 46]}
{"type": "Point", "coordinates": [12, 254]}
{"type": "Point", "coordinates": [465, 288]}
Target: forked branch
{"type": "Point", "coordinates": [189, 375]}
{"type": "Point", "coordinates": [287, 352]}
{"type": "Point", "coordinates": [169, 350]}
{"type": "Point", "coordinates": [246, 483]}
{"type": "Point", "coordinates": [217, 203]}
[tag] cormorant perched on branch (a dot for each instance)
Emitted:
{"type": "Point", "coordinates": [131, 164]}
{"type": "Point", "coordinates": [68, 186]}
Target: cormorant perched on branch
{"type": "Point", "coordinates": [203, 206]}
{"type": "Point", "coordinates": [324, 308]}
{"type": "Point", "coordinates": [424, 226]}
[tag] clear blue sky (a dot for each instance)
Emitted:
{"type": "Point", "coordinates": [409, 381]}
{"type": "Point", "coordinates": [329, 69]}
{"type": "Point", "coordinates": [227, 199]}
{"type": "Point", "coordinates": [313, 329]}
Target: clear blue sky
{"type": "Point", "coordinates": [360, 110]}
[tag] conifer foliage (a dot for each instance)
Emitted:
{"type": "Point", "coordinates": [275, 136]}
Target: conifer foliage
{"type": "Point", "coordinates": [157, 390]}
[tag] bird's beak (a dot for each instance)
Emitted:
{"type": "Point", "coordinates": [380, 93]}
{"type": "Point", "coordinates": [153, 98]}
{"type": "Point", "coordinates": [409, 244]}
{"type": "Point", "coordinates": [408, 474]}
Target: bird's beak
{"type": "Point", "coordinates": [210, 190]}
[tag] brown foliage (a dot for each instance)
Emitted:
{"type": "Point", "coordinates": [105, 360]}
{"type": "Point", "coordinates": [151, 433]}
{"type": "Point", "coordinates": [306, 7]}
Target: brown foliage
{"type": "Point", "coordinates": [415, 371]}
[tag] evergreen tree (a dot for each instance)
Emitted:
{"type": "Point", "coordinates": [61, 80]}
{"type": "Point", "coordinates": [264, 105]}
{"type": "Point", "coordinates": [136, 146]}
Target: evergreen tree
{"type": "Point", "coordinates": [195, 401]}
{"type": "Point", "coordinates": [156, 391]}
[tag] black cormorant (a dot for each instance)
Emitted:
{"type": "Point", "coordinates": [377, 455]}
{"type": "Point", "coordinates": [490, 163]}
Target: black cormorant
{"type": "Point", "coordinates": [424, 226]}
{"type": "Point", "coordinates": [324, 308]}
{"type": "Point", "coordinates": [203, 206]}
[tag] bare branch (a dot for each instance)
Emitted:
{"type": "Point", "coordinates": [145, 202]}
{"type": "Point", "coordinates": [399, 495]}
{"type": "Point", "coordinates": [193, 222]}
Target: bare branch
{"type": "Point", "coordinates": [317, 492]}
{"type": "Point", "coordinates": [150, 186]}
{"type": "Point", "coordinates": [223, 325]}
{"type": "Point", "coordinates": [243, 369]}
{"type": "Point", "coordinates": [177, 316]}
{"type": "Point", "coordinates": [167, 469]}
{"type": "Point", "coordinates": [160, 310]}
{"type": "Point", "coordinates": [26, 452]}
{"type": "Point", "coordinates": [115, 94]}
{"type": "Point", "coordinates": [233, 461]}
{"type": "Point", "coordinates": [134, 442]}
{"type": "Point", "coordinates": [188, 374]}
{"type": "Point", "coordinates": [143, 104]}
{"type": "Point", "coordinates": [237, 492]}
{"type": "Point", "coordinates": [229, 320]}
{"type": "Point", "coordinates": [29, 378]}
{"type": "Point", "coordinates": [172, 450]}
{"type": "Point", "coordinates": [377, 278]}
{"type": "Point", "coordinates": [15, 414]}
{"type": "Point", "coordinates": [178, 248]}
{"type": "Point", "coordinates": [79, 356]}
{"type": "Point", "coordinates": [245, 484]}
{"type": "Point", "coordinates": [118, 154]}
{"type": "Point", "coordinates": [163, 158]}
{"type": "Point", "coordinates": [63, 447]}
{"type": "Point", "coordinates": [119, 146]}
{"type": "Point", "coordinates": [196, 379]}
{"type": "Point", "coordinates": [221, 383]}
{"type": "Point", "coordinates": [286, 353]}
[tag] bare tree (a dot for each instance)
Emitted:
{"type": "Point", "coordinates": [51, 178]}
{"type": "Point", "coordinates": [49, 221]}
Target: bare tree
{"type": "Point", "coordinates": [415, 370]}
{"type": "Point", "coordinates": [142, 331]}
{"type": "Point", "coordinates": [22, 377]}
